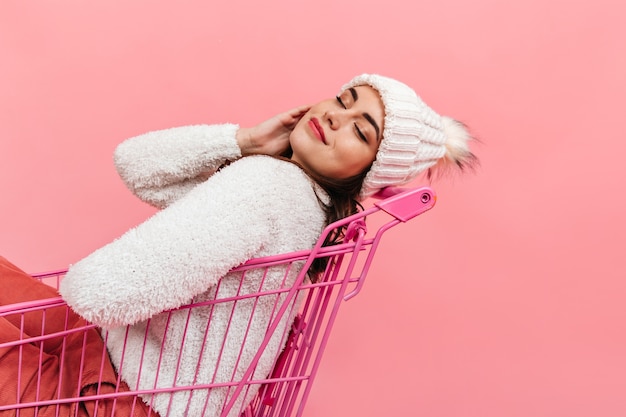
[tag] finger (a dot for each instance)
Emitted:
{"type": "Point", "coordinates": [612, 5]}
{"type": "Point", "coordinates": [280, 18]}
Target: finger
{"type": "Point", "coordinates": [299, 111]}
{"type": "Point", "coordinates": [293, 116]}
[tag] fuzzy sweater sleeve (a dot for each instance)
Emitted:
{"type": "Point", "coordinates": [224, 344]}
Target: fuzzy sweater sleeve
{"type": "Point", "coordinates": [185, 249]}
{"type": "Point", "coordinates": [160, 167]}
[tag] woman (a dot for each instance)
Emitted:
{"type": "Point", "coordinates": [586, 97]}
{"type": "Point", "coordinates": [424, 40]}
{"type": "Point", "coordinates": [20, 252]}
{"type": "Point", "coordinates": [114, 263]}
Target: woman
{"type": "Point", "coordinates": [230, 194]}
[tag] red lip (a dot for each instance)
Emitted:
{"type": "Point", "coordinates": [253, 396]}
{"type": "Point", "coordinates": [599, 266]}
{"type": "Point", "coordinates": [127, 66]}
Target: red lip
{"type": "Point", "coordinates": [317, 129]}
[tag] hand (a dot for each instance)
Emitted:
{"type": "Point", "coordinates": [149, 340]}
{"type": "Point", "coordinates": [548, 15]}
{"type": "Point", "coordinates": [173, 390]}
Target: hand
{"type": "Point", "coordinates": [270, 137]}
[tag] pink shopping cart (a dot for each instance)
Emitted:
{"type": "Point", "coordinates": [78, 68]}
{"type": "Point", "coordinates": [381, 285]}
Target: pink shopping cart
{"type": "Point", "coordinates": [308, 308]}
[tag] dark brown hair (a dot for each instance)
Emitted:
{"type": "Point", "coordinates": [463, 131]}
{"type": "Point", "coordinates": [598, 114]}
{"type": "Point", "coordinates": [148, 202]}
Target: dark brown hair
{"type": "Point", "coordinates": [343, 194]}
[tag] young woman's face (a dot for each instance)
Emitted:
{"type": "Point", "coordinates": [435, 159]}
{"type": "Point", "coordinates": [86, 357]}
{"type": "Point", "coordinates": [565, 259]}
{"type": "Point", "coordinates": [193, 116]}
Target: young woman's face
{"type": "Point", "coordinates": [338, 138]}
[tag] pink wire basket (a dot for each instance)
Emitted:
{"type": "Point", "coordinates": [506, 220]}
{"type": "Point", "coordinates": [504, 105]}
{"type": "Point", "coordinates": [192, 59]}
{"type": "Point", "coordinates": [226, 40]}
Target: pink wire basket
{"type": "Point", "coordinates": [309, 307]}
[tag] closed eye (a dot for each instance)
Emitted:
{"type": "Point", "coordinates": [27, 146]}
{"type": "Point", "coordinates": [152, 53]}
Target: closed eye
{"type": "Point", "coordinates": [359, 133]}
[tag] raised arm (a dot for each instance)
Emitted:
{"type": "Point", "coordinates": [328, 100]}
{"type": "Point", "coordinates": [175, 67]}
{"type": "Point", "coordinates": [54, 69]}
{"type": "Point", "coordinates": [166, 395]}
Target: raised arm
{"type": "Point", "coordinates": [162, 166]}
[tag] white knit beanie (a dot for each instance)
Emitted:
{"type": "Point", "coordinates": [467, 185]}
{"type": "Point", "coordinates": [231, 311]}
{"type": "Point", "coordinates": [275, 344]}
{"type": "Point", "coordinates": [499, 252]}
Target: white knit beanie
{"type": "Point", "coordinates": [414, 136]}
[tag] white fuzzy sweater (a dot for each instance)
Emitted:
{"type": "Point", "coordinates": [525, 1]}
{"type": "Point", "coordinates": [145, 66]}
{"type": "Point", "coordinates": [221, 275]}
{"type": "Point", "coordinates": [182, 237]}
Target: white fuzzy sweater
{"type": "Point", "coordinates": [211, 222]}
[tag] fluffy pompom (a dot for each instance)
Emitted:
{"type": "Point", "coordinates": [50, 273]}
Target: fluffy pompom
{"type": "Point", "coordinates": [458, 154]}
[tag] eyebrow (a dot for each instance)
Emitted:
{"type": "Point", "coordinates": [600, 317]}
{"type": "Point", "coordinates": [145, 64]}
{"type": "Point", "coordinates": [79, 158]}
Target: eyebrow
{"type": "Point", "coordinates": [355, 96]}
{"type": "Point", "coordinates": [373, 122]}
{"type": "Point", "coordinates": [367, 116]}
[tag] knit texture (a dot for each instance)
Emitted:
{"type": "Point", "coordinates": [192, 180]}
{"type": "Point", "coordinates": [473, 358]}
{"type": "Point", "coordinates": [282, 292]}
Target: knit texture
{"type": "Point", "coordinates": [256, 206]}
{"type": "Point", "coordinates": [413, 136]}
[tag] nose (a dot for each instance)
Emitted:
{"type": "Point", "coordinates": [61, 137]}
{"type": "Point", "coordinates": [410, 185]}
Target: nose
{"type": "Point", "coordinates": [337, 118]}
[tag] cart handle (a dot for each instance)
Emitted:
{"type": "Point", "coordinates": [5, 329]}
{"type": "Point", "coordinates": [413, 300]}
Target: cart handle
{"type": "Point", "coordinates": [406, 203]}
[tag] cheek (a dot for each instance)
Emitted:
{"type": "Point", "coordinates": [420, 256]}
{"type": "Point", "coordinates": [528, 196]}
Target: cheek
{"type": "Point", "coordinates": [357, 152]}
{"type": "Point", "coordinates": [354, 160]}
{"type": "Point", "coordinates": [296, 135]}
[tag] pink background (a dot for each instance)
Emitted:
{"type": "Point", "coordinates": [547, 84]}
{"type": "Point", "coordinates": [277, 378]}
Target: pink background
{"type": "Point", "coordinates": [506, 300]}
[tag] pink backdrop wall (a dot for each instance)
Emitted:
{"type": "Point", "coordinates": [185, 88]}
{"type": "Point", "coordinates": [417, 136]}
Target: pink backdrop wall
{"type": "Point", "coordinates": [506, 300]}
